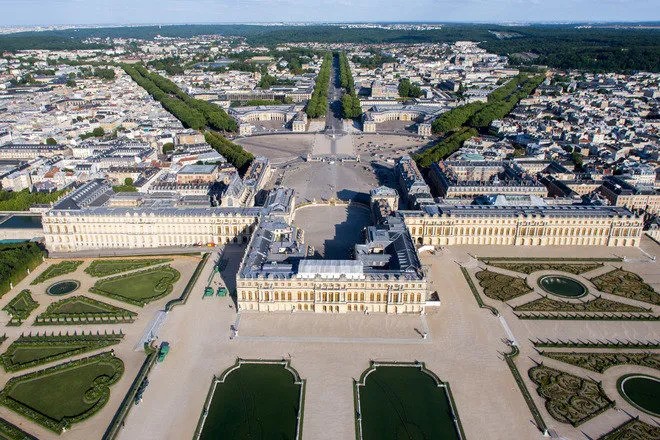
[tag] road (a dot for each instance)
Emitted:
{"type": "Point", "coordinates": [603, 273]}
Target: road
{"type": "Point", "coordinates": [333, 120]}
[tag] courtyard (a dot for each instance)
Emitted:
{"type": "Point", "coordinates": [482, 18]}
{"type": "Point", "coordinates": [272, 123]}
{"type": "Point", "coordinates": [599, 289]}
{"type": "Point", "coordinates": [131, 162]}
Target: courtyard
{"type": "Point", "coordinates": [333, 230]}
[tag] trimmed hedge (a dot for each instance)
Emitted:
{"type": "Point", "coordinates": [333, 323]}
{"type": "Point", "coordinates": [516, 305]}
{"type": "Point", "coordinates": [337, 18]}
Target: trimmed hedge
{"type": "Point", "coordinates": [54, 347]}
{"type": "Point", "coordinates": [191, 283]}
{"type": "Point", "coordinates": [9, 431]}
{"type": "Point", "coordinates": [527, 268]}
{"type": "Point", "coordinates": [502, 287]}
{"type": "Point", "coordinates": [83, 310]}
{"type": "Point", "coordinates": [127, 287]}
{"type": "Point", "coordinates": [547, 304]}
{"type": "Point", "coordinates": [20, 307]}
{"type": "Point", "coordinates": [599, 362]}
{"type": "Point", "coordinates": [585, 317]}
{"type": "Point", "coordinates": [538, 418]}
{"type": "Point", "coordinates": [56, 270]}
{"type": "Point", "coordinates": [94, 398]}
{"type": "Point", "coordinates": [569, 398]}
{"type": "Point", "coordinates": [103, 268]}
{"type": "Point", "coordinates": [122, 412]}
{"type": "Point", "coordinates": [627, 284]}
{"type": "Point", "coordinates": [475, 293]}
{"type": "Point", "coordinates": [633, 429]}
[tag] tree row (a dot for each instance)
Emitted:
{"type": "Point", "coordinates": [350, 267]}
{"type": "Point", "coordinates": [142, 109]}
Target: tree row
{"type": "Point", "coordinates": [318, 104]}
{"type": "Point", "coordinates": [193, 113]}
{"type": "Point", "coordinates": [350, 103]}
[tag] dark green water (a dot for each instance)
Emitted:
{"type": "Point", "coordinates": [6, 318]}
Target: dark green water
{"type": "Point", "coordinates": [562, 286]}
{"type": "Point", "coordinates": [644, 392]}
{"type": "Point", "coordinates": [22, 222]}
{"type": "Point", "coordinates": [256, 402]}
{"type": "Point", "coordinates": [403, 403]}
{"type": "Point", "coordinates": [62, 287]}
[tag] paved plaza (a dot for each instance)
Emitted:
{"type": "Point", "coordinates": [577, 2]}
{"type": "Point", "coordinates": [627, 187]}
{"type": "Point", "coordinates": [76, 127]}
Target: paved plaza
{"type": "Point", "coordinates": [464, 347]}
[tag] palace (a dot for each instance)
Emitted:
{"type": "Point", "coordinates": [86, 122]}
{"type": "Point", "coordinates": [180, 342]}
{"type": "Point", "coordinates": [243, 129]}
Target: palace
{"type": "Point", "coordinates": [85, 220]}
{"type": "Point", "coordinates": [444, 225]}
{"type": "Point", "coordinates": [385, 276]}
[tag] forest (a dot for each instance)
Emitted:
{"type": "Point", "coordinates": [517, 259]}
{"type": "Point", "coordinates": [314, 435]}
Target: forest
{"type": "Point", "coordinates": [562, 46]}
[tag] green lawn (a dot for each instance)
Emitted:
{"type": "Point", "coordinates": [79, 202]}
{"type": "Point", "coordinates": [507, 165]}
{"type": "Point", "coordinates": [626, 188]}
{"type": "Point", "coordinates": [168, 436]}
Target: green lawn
{"type": "Point", "coordinates": [20, 307]}
{"type": "Point", "coordinates": [403, 402]}
{"type": "Point", "coordinates": [256, 401]}
{"type": "Point", "coordinates": [102, 268]}
{"type": "Point", "coordinates": [83, 307]}
{"type": "Point", "coordinates": [139, 288]}
{"type": "Point", "coordinates": [56, 270]}
{"type": "Point", "coordinates": [65, 394]}
{"type": "Point", "coordinates": [30, 351]}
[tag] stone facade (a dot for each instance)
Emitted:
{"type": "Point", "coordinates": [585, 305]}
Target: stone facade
{"type": "Point", "coordinates": [524, 226]}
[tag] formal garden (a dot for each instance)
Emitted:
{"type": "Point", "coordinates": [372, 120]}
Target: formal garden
{"type": "Point", "coordinates": [566, 298]}
{"type": "Point", "coordinates": [404, 401]}
{"type": "Point", "coordinates": [57, 392]}
{"type": "Point", "coordinates": [569, 398]}
{"type": "Point", "coordinates": [254, 400]}
{"type": "Point", "coordinates": [66, 394]}
{"type": "Point", "coordinates": [56, 270]}
{"type": "Point", "coordinates": [601, 361]}
{"type": "Point", "coordinates": [502, 287]}
{"type": "Point", "coordinates": [34, 350]}
{"type": "Point", "coordinates": [103, 268]}
{"type": "Point", "coordinates": [20, 307]}
{"type": "Point", "coordinates": [83, 310]}
{"type": "Point", "coordinates": [527, 268]}
{"type": "Point", "coordinates": [633, 429]}
{"type": "Point", "coordinates": [138, 288]}
{"type": "Point", "coordinates": [599, 304]}
{"type": "Point", "coordinates": [563, 295]}
{"type": "Point", "coordinates": [626, 284]}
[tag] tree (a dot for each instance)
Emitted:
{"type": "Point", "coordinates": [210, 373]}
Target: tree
{"type": "Point", "coordinates": [577, 160]}
{"type": "Point", "coordinates": [98, 132]}
{"type": "Point", "coordinates": [409, 90]}
{"type": "Point", "coordinates": [168, 147]}
{"type": "Point", "coordinates": [51, 141]}
{"type": "Point", "coordinates": [350, 105]}
{"type": "Point", "coordinates": [128, 181]}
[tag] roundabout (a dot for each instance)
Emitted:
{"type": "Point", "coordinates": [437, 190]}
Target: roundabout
{"type": "Point", "coordinates": [641, 391]}
{"type": "Point", "coordinates": [563, 286]}
{"type": "Point", "coordinates": [63, 287]}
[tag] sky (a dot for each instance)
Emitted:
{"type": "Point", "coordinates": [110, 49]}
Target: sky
{"type": "Point", "coordinates": [53, 12]}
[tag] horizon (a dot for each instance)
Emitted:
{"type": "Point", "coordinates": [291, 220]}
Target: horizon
{"type": "Point", "coordinates": [43, 13]}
